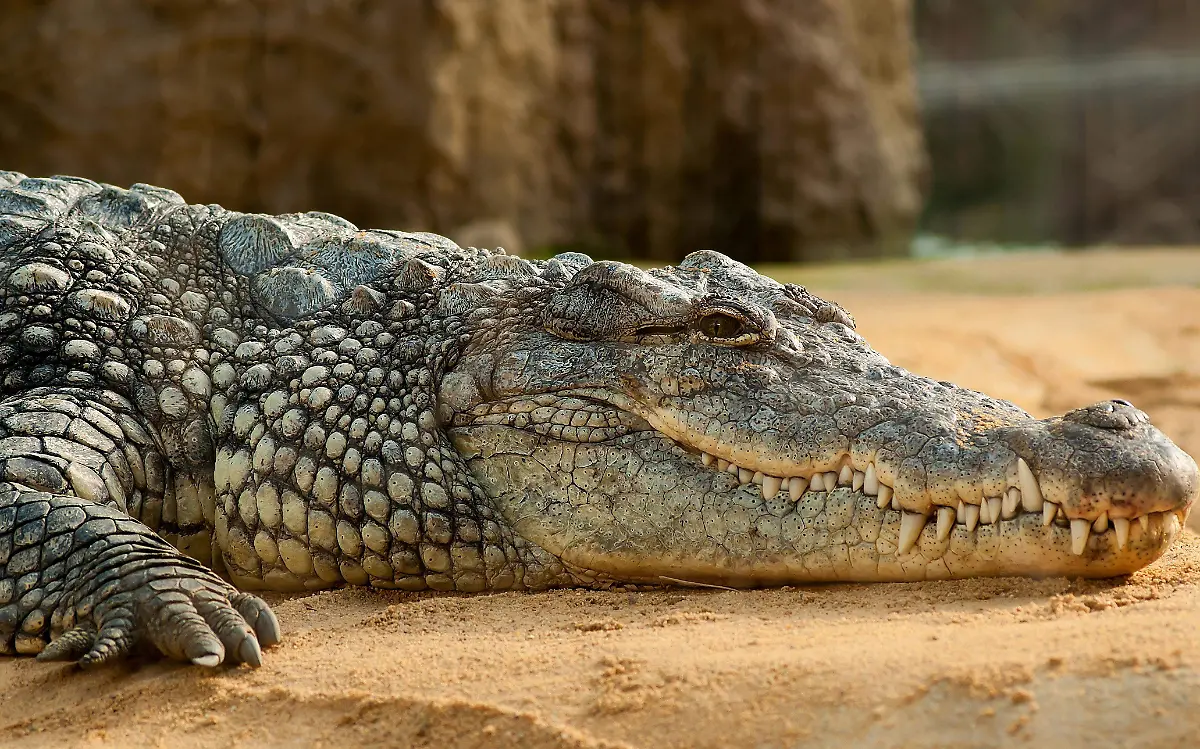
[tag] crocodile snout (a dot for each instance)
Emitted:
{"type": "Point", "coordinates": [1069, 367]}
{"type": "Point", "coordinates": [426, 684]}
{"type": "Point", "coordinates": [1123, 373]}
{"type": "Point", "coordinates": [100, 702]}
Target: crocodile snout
{"type": "Point", "coordinates": [1116, 414]}
{"type": "Point", "coordinates": [1106, 465]}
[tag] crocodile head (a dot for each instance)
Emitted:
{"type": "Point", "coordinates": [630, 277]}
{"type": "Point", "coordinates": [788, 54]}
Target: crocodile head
{"type": "Point", "coordinates": [706, 423]}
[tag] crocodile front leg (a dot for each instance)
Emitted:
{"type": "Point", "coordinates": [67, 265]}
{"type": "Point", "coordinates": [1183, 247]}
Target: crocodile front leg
{"type": "Point", "coordinates": [79, 577]}
{"type": "Point", "coordinates": [83, 581]}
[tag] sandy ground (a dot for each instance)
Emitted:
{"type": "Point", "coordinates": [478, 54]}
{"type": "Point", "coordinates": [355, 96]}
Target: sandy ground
{"type": "Point", "coordinates": [976, 663]}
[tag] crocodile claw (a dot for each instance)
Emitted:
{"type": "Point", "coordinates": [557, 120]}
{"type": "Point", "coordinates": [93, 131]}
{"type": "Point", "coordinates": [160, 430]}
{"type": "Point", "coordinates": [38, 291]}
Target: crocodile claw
{"type": "Point", "coordinates": [198, 619]}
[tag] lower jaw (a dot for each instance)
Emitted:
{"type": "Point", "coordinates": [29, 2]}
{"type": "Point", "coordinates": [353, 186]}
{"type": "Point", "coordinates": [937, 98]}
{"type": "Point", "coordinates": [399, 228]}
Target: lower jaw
{"type": "Point", "coordinates": [864, 549]}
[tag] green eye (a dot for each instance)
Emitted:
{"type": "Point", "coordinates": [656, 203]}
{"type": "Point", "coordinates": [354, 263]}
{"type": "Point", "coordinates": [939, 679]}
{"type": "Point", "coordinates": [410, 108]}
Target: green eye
{"type": "Point", "coordinates": [719, 325]}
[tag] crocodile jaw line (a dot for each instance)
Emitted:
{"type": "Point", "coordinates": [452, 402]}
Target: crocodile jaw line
{"type": "Point", "coordinates": [1021, 514]}
{"type": "Point", "coordinates": [776, 478]}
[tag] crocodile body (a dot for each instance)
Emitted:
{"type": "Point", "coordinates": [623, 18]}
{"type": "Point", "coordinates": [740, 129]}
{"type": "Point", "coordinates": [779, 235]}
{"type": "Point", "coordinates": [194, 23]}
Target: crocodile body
{"type": "Point", "coordinates": [196, 403]}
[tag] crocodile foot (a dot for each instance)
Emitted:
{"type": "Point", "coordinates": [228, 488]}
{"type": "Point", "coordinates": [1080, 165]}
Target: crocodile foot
{"type": "Point", "coordinates": [187, 614]}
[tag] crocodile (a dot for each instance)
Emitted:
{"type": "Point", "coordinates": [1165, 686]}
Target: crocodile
{"type": "Point", "coordinates": [197, 403]}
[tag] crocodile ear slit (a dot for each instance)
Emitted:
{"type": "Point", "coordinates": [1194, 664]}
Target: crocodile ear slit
{"type": "Point", "coordinates": [253, 243]}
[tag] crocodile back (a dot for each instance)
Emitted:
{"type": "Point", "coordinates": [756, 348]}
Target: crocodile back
{"type": "Point", "coordinates": [71, 278]}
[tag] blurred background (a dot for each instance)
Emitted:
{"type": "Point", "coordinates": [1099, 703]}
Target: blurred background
{"type": "Point", "coordinates": [1070, 122]}
{"type": "Point", "coordinates": [1005, 192]}
{"type": "Point", "coordinates": [770, 129]}
{"type": "Point", "coordinates": [773, 130]}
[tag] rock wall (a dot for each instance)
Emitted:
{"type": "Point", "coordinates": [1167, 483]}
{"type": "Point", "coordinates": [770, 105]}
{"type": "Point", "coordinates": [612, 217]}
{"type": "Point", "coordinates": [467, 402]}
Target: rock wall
{"type": "Point", "coordinates": [770, 129]}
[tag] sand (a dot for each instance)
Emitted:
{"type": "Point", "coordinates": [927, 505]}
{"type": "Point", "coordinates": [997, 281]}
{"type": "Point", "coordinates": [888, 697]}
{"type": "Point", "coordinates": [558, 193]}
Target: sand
{"type": "Point", "coordinates": [975, 663]}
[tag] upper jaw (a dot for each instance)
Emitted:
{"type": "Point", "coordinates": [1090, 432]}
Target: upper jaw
{"type": "Point", "coordinates": [1091, 469]}
{"type": "Point", "coordinates": [1102, 463]}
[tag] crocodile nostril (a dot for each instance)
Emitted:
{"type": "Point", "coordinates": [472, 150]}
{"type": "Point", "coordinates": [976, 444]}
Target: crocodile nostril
{"type": "Point", "coordinates": [1109, 414]}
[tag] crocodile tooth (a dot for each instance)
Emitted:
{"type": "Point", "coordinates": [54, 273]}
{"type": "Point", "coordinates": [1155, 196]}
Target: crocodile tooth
{"type": "Point", "coordinates": [831, 479]}
{"type": "Point", "coordinates": [732, 468]}
{"type": "Point", "coordinates": [1081, 529]}
{"type": "Point", "coordinates": [706, 459]}
{"type": "Point", "coordinates": [1031, 502]}
{"type": "Point", "coordinates": [857, 482]}
{"type": "Point", "coordinates": [758, 477]}
{"type": "Point", "coordinates": [846, 475]}
{"type": "Point", "coordinates": [770, 486]}
{"type": "Point", "coordinates": [945, 522]}
{"type": "Point", "coordinates": [895, 502]}
{"type": "Point", "coordinates": [995, 507]}
{"type": "Point", "coordinates": [796, 487]}
{"type": "Point", "coordinates": [1049, 510]}
{"type": "Point", "coordinates": [971, 516]}
{"type": "Point", "coordinates": [817, 484]}
{"type": "Point", "coordinates": [911, 525]}
{"type": "Point", "coordinates": [722, 464]}
{"type": "Point", "coordinates": [985, 511]}
{"type": "Point", "coordinates": [1121, 526]}
{"type": "Point", "coordinates": [745, 475]}
{"type": "Point", "coordinates": [870, 481]}
{"type": "Point", "coordinates": [1029, 484]}
{"type": "Point", "coordinates": [1144, 521]}
{"type": "Point", "coordinates": [1171, 522]}
{"type": "Point", "coordinates": [1101, 523]}
{"type": "Point", "coordinates": [1012, 500]}
{"type": "Point", "coordinates": [962, 510]}
{"type": "Point", "coordinates": [885, 496]}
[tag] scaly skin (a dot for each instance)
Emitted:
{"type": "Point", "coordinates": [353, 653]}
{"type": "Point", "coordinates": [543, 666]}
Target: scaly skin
{"type": "Point", "coordinates": [191, 397]}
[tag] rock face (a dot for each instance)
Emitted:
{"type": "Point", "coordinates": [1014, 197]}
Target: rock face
{"type": "Point", "coordinates": [772, 128]}
{"type": "Point", "coordinates": [769, 129]}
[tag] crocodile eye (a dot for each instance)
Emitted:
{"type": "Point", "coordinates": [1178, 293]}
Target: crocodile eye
{"type": "Point", "coordinates": [719, 325]}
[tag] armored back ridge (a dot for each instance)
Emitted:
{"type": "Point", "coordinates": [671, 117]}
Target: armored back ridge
{"type": "Point", "coordinates": [194, 398]}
